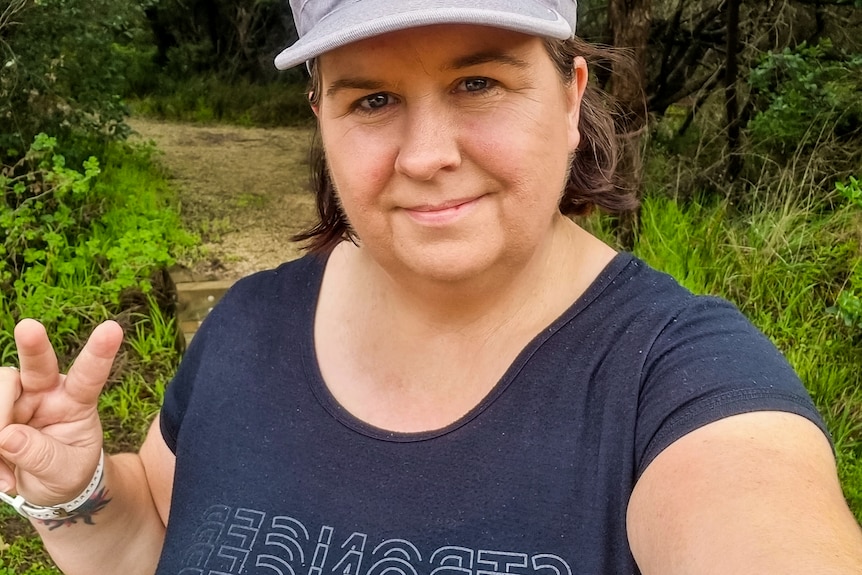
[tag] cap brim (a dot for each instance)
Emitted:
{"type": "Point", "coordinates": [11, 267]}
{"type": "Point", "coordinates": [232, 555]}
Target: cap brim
{"type": "Point", "coordinates": [361, 20]}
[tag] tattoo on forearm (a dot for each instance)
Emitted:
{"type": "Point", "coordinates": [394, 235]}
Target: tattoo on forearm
{"type": "Point", "coordinates": [84, 513]}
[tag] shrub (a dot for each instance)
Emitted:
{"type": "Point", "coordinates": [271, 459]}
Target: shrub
{"type": "Point", "coordinates": [805, 95]}
{"type": "Point", "coordinates": [62, 69]}
{"type": "Point", "coordinates": [71, 241]}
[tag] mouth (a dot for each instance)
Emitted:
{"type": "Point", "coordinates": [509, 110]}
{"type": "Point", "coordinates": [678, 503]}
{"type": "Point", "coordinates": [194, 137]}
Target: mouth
{"type": "Point", "coordinates": [441, 213]}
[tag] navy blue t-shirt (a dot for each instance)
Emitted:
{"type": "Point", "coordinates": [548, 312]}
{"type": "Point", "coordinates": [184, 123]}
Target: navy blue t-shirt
{"type": "Point", "coordinates": [274, 477]}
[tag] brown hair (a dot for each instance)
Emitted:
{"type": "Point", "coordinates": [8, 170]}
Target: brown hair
{"type": "Point", "coordinates": [594, 179]}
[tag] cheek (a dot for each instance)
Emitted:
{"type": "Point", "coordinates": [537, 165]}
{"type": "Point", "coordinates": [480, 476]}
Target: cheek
{"type": "Point", "coordinates": [525, 149]}
{"type": "Point", "coordinates": [359, 165]}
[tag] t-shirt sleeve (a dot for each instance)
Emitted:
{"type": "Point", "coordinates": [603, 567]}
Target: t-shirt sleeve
{"type": "Point", "coordinates": [216, 329]}
{"type": "Point", "coordinates": [179, 391]}
{"type": "Point", "coordinates": [255, 309]}
{"type": "Point", "coordinates": [708, 363]}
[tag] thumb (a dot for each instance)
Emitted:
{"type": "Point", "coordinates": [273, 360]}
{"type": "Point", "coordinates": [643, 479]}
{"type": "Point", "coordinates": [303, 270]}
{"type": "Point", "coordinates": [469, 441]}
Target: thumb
{"type": "Point", "coordinates": [47, 472]}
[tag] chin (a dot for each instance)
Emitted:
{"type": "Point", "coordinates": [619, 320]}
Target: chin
{"type": "Point", "coordinates": [449, 264]}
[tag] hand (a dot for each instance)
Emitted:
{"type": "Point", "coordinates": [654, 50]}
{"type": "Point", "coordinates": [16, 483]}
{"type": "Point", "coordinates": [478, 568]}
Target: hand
{"type": "Point", "coordinates": [50, 433]}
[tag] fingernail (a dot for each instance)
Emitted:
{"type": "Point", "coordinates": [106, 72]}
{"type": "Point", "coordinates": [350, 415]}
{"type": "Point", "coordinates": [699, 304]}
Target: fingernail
{"type": "Point", "coordinates": [15, 442]}
{"type": "Point", "coordinates": [5, 487]}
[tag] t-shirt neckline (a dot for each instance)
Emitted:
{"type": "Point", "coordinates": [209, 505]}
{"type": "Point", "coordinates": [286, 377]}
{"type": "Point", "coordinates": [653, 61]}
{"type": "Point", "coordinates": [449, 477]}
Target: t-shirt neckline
{"type": "Point", "coordinates": [320, 390]}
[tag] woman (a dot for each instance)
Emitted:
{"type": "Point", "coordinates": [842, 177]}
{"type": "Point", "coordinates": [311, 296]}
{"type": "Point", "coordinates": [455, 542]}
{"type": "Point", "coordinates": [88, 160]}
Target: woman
{"type": "Point", "coordinates": [471, 383]}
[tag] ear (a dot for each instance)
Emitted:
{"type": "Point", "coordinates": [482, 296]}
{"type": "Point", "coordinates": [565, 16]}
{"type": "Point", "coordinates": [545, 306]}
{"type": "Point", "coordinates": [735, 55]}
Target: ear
{"type": "Point", "coordinates": [314, 107]}
{"type": "Point", "coordinates": [574, 96]}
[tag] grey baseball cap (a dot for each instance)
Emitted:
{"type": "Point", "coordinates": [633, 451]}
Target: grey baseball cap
{"type": "Point", "coordinates": [324, 25]}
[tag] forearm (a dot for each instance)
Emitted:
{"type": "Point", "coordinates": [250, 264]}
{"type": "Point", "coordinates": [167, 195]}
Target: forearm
{"type": "Point", "coordinates": [123, 535]}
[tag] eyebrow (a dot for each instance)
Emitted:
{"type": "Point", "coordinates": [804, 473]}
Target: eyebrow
{"type": "Point", "coordinates": [479, 58]}
{"type": "Point", "coordinates": [353, 84]}
{"type": "Point", "coordinates": [487, 57]}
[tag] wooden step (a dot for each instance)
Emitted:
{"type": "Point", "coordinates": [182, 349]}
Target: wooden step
{"type": "Point", "coordinates": [195, 300]}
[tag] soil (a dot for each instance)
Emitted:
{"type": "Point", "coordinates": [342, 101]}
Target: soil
{"type": "Point", "coordinates": [244, 190]}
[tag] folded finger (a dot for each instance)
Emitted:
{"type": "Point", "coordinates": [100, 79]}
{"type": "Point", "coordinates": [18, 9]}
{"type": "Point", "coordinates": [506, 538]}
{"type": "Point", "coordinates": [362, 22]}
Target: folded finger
{"type": "Point", "coordinates": [92, 367]}
{"type": "Point", "coordinates": [10, 391]}
{"type": "Point", "coordinates": [7, 476]}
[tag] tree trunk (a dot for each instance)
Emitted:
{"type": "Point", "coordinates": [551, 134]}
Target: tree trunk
{"type": "Point", "coordinates": [629, 22]}
{"type": "Point", "coordinates": [734, 164]}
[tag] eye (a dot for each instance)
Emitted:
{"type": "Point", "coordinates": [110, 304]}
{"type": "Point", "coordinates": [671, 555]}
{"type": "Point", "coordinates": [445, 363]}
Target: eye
{"type": "Point", "coordinates": [375, 101]}
{"type": "Point", "coordinates": [476, 84]}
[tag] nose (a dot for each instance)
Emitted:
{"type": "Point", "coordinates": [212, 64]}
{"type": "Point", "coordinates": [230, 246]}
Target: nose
{"type": "Point", "coordinates": [429, 143]}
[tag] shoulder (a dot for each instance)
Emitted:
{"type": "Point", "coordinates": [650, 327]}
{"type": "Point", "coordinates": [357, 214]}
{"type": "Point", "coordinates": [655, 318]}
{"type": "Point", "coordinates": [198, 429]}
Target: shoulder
{"type": "Point", "coordinates": [696, 358]}
{"type": "Point", "coordinates": [298, 275]}
{"type": "Point", "coordinates": [649, 307]}
{"type": "Point", "coordinates": [288, 289]}
{"type": "Point", "coordinates": [259, 314]}
{"type": "Point", "coordinates": [735, 470]}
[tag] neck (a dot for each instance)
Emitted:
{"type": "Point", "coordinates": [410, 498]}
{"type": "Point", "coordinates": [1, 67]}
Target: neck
{"type": "Point", "coordinates": [550, 277]}
{"type": "Point", "coordinates": [417, 355]}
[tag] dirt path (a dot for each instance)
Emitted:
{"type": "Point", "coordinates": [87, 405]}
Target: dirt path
{"type": "Point", "coordinates": [243, 189]}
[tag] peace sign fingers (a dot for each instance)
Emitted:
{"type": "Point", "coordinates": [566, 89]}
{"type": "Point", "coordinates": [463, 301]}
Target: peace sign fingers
{"type": "Point", "coordinates": [92, 367]}
{"type": "Point", "coordinates": [46, 397]}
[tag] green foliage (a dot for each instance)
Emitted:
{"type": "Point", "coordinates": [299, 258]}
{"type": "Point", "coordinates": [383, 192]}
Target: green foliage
{"type": "Point", "coordinates": [78, 246]}
{"type": "Point", "coordinates": [155, 335]}
{"type": "Point", "coordinates": [848, 306]}
{"type": "Point", "coordinates": [233, 39]}
{"type": "Point", "coordinates": [25, 556]}
{"type": "Point", "coordinates": [804, 95]}
{"type": "Point", "coordinates": [45, 211]}
{"type": "Point", "coordinates": [851, 191]}
{"type": "Point", "coordinates": [132, 404]}
{"type": "Point", "coordinates": [63, 69]}
{"type": "Point", "coordinates": [73, 241]}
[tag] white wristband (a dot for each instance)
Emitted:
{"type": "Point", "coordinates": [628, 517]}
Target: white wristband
{"type": "Point", "coordinates": [62, 510]}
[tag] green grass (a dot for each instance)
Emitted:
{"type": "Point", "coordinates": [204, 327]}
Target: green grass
{"type": "Point", "coordinates": [24, 555]}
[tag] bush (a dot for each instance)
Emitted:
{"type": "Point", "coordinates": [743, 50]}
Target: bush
{"type": "Point", "coordinates": [210, 99]}
{"type": "Point", "coordinates": [805, 95]}
{"type": "Point", "coordinates": [71, 242]}
{"type": "Point", "coordinates": [63, 71]}
{"type": "Point", "coordinates": [78, 246]}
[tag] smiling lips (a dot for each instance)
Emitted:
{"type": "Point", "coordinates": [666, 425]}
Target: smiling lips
{"type": "Point", "coordinates": [441, 213]}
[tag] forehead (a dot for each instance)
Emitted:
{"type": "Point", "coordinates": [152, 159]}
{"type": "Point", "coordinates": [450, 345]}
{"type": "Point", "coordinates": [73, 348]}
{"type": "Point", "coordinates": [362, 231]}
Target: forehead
{"type": "Point", "coordinates": [436, 47]}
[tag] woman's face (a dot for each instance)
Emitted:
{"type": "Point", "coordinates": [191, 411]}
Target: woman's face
{"type": "Point", "coordinates": [448, 146]}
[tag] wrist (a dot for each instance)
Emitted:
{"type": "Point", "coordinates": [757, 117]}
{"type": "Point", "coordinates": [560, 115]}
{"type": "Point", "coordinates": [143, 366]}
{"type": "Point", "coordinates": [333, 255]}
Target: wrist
{"type": "Point", "coordinates": [63, 510]}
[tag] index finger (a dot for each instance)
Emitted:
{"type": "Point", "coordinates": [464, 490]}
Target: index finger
{"type": "Point", "coordinates": [36, 357]}
{"type": "Point", "coordinates": [92, 367]}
